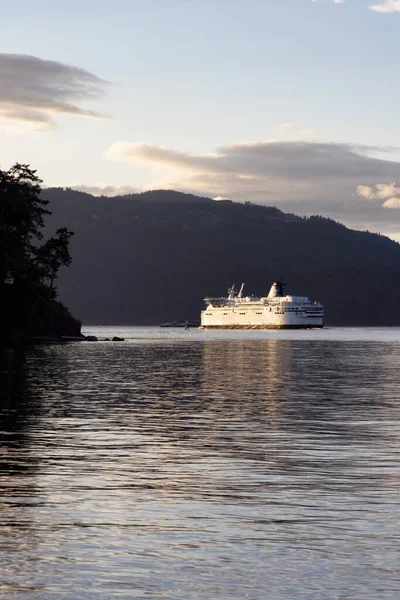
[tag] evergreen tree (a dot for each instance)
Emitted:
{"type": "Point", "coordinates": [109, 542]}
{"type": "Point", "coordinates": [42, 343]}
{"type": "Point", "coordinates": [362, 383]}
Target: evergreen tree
{"type": "Point", "coordinates": [28, 263]}
{"type": "Point", "coordinates": [53, 254]}
{"type": "Point", "coordinates": [22, 212]}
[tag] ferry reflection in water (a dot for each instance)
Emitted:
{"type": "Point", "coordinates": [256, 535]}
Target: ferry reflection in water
{"type": "Point", "coordinates": [307, 412]}
{"type": "Point", "coordinates": [242, 370]}
{"type": "Point", "coordinates": [201, 468]}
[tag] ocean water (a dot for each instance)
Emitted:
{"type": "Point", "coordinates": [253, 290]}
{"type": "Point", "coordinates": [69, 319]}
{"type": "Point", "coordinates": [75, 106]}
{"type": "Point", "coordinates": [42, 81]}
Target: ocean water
{"type": "Point", "coordinates": [202, 465]}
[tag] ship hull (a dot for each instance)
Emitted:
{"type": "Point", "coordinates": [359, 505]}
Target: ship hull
{"type": "Point", "coordinates": [246, 319]}
{"type": "Point", "coordinates": [310, 326]}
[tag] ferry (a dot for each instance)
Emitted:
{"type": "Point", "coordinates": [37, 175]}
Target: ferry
{"type": "Point", "coordinates": [275, 311]}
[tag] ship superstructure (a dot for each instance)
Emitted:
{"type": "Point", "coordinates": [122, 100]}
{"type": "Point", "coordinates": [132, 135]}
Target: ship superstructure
{"type": "Point", "coordinates": [275, 311]}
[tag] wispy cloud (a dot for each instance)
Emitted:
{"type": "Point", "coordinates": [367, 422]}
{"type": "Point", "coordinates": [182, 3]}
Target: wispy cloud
{"type": "Point", "coordinates": [296, 131]}
{"type": "Point", "coordinates": [295, 161]}
{"type": "Point", "coordinates": [383, 6]}
{"type": "Point", "coordinates": [329, 1]}
{"type": "Point", "coordinates": [33, 90]}
{"type": "Point", "coordinates": [386, 6]}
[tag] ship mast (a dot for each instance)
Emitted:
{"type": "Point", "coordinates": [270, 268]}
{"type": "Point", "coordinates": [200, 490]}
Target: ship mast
{"type": "Point", "coordinates": [231, 292]}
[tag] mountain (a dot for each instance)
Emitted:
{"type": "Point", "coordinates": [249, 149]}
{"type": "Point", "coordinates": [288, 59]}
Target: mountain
{"type": "Point", "coordinates": [152, 257]}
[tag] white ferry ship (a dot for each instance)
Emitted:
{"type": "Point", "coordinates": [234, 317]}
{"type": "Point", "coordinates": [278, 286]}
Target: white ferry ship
{"type": "Point", "coordinates": [274, 311]}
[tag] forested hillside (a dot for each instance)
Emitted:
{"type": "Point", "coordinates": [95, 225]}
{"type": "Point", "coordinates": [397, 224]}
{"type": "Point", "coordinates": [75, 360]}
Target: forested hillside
{"type": "Point", "coordinates": [152, 257]}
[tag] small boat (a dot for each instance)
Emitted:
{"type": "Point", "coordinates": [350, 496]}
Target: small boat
{"type": "Point", "coordinates": [185, 324]}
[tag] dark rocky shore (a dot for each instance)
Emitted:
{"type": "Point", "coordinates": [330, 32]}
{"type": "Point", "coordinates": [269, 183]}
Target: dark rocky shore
{"type": "Point", "coordinates": [30, 318]}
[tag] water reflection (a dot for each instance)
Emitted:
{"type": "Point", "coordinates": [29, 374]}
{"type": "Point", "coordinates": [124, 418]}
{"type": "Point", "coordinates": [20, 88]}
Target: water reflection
{"type": "Point", "coordinates": [248, 369]}
{"type": "Point", "coordinates": [200, 469]}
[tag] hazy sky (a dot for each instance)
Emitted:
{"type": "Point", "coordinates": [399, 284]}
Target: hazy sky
{"type": "Point", "coordinates": [292, 103]}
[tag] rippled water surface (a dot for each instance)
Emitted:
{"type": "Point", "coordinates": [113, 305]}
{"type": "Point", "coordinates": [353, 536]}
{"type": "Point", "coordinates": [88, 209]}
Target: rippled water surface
{"type": "Point", "coordinates": [211, 465]}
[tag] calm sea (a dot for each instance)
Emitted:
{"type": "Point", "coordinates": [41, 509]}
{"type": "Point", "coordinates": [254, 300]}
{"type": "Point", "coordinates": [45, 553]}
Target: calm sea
{"type": "Point", "coordinates": [202, 465]}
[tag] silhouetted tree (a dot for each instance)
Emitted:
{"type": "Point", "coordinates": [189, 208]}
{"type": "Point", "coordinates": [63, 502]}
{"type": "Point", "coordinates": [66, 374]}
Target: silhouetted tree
{"type": "Point", "coordinates": [53, 254]}
{"type": "Point", "coordinates": [22, 212]}
{"type": "Point", "coordinates": [30, 265]}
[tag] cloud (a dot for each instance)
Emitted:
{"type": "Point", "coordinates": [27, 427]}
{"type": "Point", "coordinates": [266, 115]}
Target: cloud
{"type": "Point", "coordinates": [102, 189]}
{"type": "Point", "coordinates": [386, 6]}
{"type": "Point", "coordinates": [329, 1]}
{"type": "Point", "coordinates": [381, 191]}
{"type": "Point", "coordinates": [303, 177]}
{"type": "Point", "coordinates": [32, 90]}
{"type": "Point", "coordinates": [296, 131]}
{"type": "Point", "coordinates": [298, 162]}
{"type": "Point", "coordinates": [392, 203]}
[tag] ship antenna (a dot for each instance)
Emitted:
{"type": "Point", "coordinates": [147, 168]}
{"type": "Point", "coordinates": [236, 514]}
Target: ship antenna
{"type": "Point", "coordinates": [279, 285]}
{"type": "Point", "coordinates": [241, 291]}
{"type": "Point", "coordinates": [231, 292]}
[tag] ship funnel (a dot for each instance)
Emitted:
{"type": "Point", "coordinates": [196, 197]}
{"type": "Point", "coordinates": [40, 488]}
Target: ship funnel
{"type": "Point", "coordinates": [276, 290]}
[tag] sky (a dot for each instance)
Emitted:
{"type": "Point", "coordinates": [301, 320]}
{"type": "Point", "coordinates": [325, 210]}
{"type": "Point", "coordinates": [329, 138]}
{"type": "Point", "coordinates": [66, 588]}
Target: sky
{"type": "Point", "coordinates": [290, 103]}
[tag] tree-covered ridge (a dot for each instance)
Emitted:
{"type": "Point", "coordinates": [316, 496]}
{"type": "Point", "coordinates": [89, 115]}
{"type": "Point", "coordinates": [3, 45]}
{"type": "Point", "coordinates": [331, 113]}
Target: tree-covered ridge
{"type": "Point", "coordinates": [29, 265]}
{"type": "Point", "coordinates": [152, 257]}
